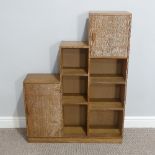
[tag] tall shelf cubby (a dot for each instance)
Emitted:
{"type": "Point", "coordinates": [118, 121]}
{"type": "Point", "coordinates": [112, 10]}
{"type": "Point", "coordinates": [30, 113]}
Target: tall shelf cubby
{"type": "Point", "coordinates": [107, 83]}
{"type": "Point", "coordinates": [74, 80]}
{"type": "Point", "coordinates": [85, 102]}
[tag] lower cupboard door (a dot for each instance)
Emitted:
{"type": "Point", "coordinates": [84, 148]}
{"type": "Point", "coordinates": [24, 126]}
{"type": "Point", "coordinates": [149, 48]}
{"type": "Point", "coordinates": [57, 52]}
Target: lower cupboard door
{"type": "Point", "coordinates": [44, 116]}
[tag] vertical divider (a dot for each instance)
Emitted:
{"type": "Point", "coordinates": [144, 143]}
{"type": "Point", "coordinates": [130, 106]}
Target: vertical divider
{"type": "Point", "coordinates": [61, 83]}
{"type": "Point", "coordinates": [88, 92]}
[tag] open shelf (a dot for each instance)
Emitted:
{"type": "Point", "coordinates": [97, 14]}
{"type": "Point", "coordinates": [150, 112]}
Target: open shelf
{"type": "Point", "coordinates": [104, 132]}
{"type": "Point", "coordinates": [106, 79]}
{"type": "Point", "coordinates": [105, 123]}
{"type": "Point", "coordinates": [105, 104]}
{"type": "Point", "coordinates": [70, 71]}
{"type": "Point", "coordinates": [74, 131]}
{"type": "Point", "coordinates": [74, 61]}
{"type": "Point", "coordinates": [75, 120]}
{"type": "Point", "coordinates": [104, 92]}
{"type": "Point", "coordinates": [113, 70]}
{"type": "Point", "coordinates": [74, 99]}
{"type": "Point", "coordinates": [74, 85]}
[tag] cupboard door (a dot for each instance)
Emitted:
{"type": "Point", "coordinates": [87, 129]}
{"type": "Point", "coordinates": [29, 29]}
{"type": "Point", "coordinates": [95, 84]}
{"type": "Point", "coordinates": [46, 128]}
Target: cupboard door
{"type": "Point", "coordinates": [44, 110]}
{"type": "Point", "coordinates": [109, 35]}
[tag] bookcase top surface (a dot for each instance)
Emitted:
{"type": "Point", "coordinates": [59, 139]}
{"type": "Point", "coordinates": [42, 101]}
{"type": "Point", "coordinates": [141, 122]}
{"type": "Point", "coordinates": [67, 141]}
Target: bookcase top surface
{"type": "Point", "coordinates": [112, 13]}
{"type": "Point", "coordinates": [42, 78]}
{"type": "Point", "coordinates": [74, 44]}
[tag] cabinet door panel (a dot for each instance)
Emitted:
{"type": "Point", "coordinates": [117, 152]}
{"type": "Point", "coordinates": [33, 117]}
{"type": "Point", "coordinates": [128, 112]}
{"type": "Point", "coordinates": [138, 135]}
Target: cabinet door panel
{"type": "Point", "coordinates": [109, 35]}
{"type": "Point", "coordinates": [44, 110]}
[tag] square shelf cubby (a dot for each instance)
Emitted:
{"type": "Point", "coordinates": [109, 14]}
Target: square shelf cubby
{"type": "Point", "coordinates": [74, 61]}
{"type": "Point", "coordinates": [106, 123]}
{"type": "Point", "coordinates": [75, 85]}
{"type": "Point", "coordinates": [75, 120]}
{"type": "Point", "coordinates": [108, 71]}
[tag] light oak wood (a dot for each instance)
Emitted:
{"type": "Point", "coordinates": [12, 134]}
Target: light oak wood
{"type": "Point", "coordinates": [76, 140]}
{"type": "Point", "coordinates": [86, 102]}
{"type": "Point", "coordinates": [107, 79]}
{"type": "Point", "coordinates": [105, 105]}
{"type": "Point", "coordinates": [74, 72]}
{"type": "Point", "coordinates": [74, 99]}
{"type": "Point", "coordinates": [77, 131]}
{"type": "Point", "coordinates": [74, 44]}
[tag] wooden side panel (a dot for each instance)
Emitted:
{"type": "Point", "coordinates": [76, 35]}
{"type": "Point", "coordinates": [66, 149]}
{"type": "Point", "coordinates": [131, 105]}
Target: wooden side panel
{"type": "Point", "coordinates": [109, 35]}
{"type": "Point", "coordinates": [44, 110]}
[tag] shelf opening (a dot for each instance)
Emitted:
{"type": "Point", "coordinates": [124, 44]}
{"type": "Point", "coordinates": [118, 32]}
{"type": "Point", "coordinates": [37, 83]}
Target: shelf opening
{"type": "Point", "coordinates": [105, 123]}
{"type": "Point", "coordinates": [108, 67]}
{"type": "Point", "coordinates": [74, 85]}
{"type": "Point", "coordinates": [75, 117]}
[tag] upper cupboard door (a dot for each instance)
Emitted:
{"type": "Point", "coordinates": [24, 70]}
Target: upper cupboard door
{"type": "Point", "coordinates": [109, 35]}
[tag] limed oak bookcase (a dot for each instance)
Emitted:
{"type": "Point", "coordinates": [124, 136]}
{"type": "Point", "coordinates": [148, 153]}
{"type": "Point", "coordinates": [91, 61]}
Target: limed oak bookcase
{"type": "Point", "coordinates": [86, 101]}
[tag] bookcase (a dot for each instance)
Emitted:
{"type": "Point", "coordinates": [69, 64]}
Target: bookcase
{"type": "Point", "coordinates": [86, 102]}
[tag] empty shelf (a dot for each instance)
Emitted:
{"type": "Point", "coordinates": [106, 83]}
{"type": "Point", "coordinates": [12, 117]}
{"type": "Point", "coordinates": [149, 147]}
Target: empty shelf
{"type": "Point", "coordinates": [74, 72]}
{"type": "Point", "coordinates": [107, 79]}
{"type": "Point", "coordinates": [105, 104]}
{"type": "Point", "coordinates": [74, 99]}
{"type": "Point", "coordinates": [74, 131]}
{"type": "Point", "coordinates": [108, 132]}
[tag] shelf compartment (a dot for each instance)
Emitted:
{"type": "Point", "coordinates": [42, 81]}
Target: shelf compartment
{"type": "Point", "coordinates": [74, 131]}
{"type": "Point", "coordinates": [75, 120]}
{"type": "Point", "coordinates": [111, 92]}
{"type": "Point", "coordinates": [74, 57]}
{"type": "Point", "coordinates": [74, 85]}
{"type": "Point", "coordinates": [108, 67]}
{"type": "Point", "coordinates": [107, 79]}
{"type": "Point", "coordinates": [104, 132]}
{"type": "Point", "coordinates": [107, 123]}
{"type": "Point", "coordinates": [105, 104]}
{"type": "Point", "coordinates": [74, 99]}
{"type": "Point", "coordinates": [69, 71]}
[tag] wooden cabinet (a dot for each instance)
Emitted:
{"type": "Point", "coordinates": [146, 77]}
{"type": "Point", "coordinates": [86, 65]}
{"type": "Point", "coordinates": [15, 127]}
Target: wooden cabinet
{"type": "Point", "coordinates": [87, 103]}
{"type": "Point", "coordinates": [43, 105]}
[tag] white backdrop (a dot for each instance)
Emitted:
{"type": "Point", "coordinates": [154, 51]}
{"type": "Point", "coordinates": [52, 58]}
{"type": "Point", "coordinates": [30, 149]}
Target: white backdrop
{"type": "Point", "coordinates": [30, 32]}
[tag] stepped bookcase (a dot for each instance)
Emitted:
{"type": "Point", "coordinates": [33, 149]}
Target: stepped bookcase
{"type": "Point", "coordinates": [86, 101]}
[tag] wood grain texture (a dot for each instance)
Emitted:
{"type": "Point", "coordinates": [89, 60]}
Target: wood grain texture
{"type": "Point", "coordinates": [87, 102]}
{"type": "Point", "coordinates": [109, 35]}
{"type": "Point", "coordinates": [74, 44]}
{"type": "Point", "coordinates": [43, 108]}
{"type": "Point", "coordinates": [76, 140]}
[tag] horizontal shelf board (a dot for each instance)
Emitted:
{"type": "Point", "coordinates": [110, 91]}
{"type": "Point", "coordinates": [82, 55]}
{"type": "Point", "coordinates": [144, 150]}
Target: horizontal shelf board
{"type": "Point", "coordinates": [105, 132]}
{"type": "Point", "coordinates": [105, 106]}
{"type": "Point", "coordinates": [106, 79]}
{"type": "Point", "coordinates": [74, 99]}
{"type": "Point", "coordinates": [107, 57]}
{"type": "Point", "coordinates": [74, 44]}
{"type": "Point", "coordinates": [74, 71]}
{"type": "Point", "coordinates": [74, 131]}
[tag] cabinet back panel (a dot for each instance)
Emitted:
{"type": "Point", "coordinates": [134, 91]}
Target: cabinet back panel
{"type": "Point", "coordinates": [75, 57]}
{"type": "Point", "coordinates": [74, 115]}
{"type": "Point", "coordinates": [105, 91]}
{"type": "Point", "coordinates": [75, 85]}
{"type": "Point", "coordinates": [104, 119]}
{"type": "Point", "coordinates": [106, 66]}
